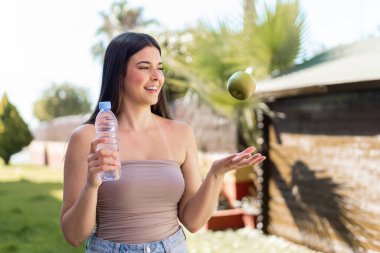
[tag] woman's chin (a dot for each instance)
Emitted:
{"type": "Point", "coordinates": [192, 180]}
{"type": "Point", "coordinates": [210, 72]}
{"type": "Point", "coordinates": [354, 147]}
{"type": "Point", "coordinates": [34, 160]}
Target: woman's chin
{"type": "Point", "coordinates": [153, 102]}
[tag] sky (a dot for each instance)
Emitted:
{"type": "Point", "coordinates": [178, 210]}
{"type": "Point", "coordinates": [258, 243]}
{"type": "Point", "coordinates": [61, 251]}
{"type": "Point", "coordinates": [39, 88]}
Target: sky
{"type": "Point", "coordinates": [48, 41]}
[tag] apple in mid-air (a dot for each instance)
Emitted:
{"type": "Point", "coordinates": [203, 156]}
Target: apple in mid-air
{"type": "Point", "coordinates": [241, 85]}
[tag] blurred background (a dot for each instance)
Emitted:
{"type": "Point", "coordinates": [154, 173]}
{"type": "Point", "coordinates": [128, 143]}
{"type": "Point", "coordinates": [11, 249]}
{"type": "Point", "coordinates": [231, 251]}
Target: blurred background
{"type": "Point", "coordinates": [315, 113]}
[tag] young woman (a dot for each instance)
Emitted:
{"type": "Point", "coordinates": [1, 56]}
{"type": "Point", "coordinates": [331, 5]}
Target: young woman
{"type": "Point", "coordinates": [160, 188]}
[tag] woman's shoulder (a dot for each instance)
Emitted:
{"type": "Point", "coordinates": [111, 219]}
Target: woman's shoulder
{"type": "Point", "coordinates": [83, 132]}
{"type": "Point", "coordinates": [174, 125]}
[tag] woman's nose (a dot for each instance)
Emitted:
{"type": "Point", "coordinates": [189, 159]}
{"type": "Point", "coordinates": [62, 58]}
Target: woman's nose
{"type": "Point", "coordinates": [156, 75]}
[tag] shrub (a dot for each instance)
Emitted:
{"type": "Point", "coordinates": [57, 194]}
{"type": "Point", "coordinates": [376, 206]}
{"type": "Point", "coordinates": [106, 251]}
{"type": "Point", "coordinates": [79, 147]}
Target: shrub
{"type": "Point", "coordinates": [14, 132]}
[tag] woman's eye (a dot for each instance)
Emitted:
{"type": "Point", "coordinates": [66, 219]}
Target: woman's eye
{"type": "Point", "coordinates": [147, 67]}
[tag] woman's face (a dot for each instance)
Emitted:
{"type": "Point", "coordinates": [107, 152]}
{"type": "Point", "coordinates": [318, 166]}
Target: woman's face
{"type": "Point", "coordinates": [144, 76]}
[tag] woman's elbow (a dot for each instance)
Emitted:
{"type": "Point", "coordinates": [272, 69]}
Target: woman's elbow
{"type": "Point", "coordinates": [192, 227]}
{"type": "Point", "coordinates": [73, 240]}
{"type": "Point", "coordinates": [191, 222]}
{"type": "Point", "coordinates": [74, 243]}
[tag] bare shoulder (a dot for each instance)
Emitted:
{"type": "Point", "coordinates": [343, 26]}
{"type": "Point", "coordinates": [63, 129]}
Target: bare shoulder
{"type": "Point", "coordinates": [83, 131]}
{"type": "Point", "coordinates": [176, 127]}
{"type": "Point", "coordinates": [83, 134]}
{"type": "Point", "coordinates": [79, 147]}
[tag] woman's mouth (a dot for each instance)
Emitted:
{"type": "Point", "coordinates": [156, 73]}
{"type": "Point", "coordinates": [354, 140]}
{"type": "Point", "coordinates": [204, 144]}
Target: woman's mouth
{"type": "Point", "coordinates": [152, 88]}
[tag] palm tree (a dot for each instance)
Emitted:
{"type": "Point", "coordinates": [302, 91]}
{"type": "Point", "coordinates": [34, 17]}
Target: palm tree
{"type": "Point", "coordinates": [272, 41]}
{"type": "Point", "coordinates": [207, 55]}
{"type": "Point", "coordinates": [120, 18]}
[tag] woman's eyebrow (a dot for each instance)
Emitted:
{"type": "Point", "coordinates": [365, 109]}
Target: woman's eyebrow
{"type": "Point", "coordinates": [147, 62]}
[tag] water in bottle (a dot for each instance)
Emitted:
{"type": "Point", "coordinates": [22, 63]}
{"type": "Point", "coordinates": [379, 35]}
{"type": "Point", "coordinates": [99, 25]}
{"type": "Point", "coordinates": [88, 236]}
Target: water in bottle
{"type": "Point", "coordinates": [107, 128]}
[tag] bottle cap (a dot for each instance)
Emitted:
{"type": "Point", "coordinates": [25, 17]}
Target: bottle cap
{"type": "Point", "coordinates": [104, 105]}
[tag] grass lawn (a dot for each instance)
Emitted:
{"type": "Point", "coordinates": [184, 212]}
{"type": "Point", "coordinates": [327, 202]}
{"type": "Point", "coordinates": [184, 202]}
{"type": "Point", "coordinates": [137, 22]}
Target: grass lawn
{"type": "Point", "coordinates": [30, 202]}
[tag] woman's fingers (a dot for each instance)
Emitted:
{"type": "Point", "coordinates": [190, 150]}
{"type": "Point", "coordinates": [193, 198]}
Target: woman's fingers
{"type": "Point", "coordinates": [245, 159]}
{"type": "Point", "coordinates": [95, 143]}
{"type": "Point", "coordinates": [255, 159]}
{"type": "Point", "coordinates": [238, 160]}
{"type": "Point", "coordinates": [103, 167]}
{"type": "Point", "coordinates": [245, 154]}
{"type": "Point", "coordinates": [241, 156]}
{"type": "Point", "coordinates": [248, 150]}
{"type": "Point", "coordinates": [100, 154]}
{"type": "Point", "coordinates": [103, 159]}
{"type": "Point", "coordinates": [100, 160]}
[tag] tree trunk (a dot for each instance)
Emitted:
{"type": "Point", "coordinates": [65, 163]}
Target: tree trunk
{"type": "Point", "coordinates": [249, 13]}
{"type": "Point", "coordinates": [7, 159]}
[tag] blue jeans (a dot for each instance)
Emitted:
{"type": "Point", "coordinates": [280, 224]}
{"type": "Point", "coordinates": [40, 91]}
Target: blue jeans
{"type": "Point", "coordinates": [176, 243]}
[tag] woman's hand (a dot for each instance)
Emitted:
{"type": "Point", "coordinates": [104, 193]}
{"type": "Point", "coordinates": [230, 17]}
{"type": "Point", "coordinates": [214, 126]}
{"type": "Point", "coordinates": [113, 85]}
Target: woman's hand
{"type": "Point", "coordinates": [236, 161]}
{"type": "Point", "coordinates": [100, 160]}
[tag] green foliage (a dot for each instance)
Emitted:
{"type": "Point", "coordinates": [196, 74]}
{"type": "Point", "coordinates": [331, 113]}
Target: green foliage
{"type": "Point", "coordinates": [61, 100]}
{"type": "Point", "coordinates": [14, 132]}
{"type": "Point", "coordinates": [274, 40]}
{"type": "Point", "coordinates": [118, 19]}
{"type": "Point", "coordinates": [206, 56]}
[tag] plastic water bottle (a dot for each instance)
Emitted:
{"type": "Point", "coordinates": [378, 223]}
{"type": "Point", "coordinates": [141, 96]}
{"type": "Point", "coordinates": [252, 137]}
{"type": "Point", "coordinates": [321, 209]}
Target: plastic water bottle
{"type": "Point", "coordinates": [107, 128]}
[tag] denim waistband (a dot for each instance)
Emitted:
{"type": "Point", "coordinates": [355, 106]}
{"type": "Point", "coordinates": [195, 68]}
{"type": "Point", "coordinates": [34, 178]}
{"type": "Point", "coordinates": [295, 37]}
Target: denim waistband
{"type": "Point", "coordinates": [173, 244]}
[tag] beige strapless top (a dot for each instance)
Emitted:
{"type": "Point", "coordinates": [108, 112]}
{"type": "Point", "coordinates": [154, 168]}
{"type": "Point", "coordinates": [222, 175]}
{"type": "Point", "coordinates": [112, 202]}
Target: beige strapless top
{"type": "Point", "coordinates": [143, 205]}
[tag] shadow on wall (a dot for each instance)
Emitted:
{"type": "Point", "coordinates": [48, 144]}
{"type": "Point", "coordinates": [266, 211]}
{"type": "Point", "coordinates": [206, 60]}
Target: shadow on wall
{"type": "Point", "coordinates": [316, 212]}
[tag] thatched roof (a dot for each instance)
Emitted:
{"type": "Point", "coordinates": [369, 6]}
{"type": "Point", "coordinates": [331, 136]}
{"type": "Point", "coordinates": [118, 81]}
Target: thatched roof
{"type": "Point", "coordinates": [347, 66]}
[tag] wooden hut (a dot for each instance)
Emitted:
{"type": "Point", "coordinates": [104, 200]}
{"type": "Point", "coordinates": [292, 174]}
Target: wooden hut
{"type": "Point", "coordinates": [321, 178]}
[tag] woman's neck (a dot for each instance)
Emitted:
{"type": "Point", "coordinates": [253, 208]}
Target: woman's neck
{"type": "Point", "coordinates": [135, 118]}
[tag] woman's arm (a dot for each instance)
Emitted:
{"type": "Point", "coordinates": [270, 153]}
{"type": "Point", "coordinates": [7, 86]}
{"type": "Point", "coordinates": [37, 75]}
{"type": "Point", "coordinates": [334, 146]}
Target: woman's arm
{"type": "Point", "coordinates": [199, 200]}
{"type": "Point", "coordinates": [81, 183]}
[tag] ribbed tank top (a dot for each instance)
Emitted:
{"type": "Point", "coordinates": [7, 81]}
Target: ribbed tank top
{"type": "Point", "coordinates": [143, 205]}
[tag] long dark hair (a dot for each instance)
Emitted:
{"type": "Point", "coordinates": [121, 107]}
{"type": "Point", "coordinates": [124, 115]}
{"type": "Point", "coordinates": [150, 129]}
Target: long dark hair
{"type": "Point", "coordinates": [116, 59]}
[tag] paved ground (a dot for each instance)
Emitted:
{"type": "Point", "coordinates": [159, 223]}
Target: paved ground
{"type": "Point", "coordinates": [243, 241]}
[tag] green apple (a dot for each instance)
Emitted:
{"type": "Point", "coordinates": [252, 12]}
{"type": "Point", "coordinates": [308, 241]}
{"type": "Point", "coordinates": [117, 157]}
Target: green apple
{"type": "Point", "coordinates": [241, 85]}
